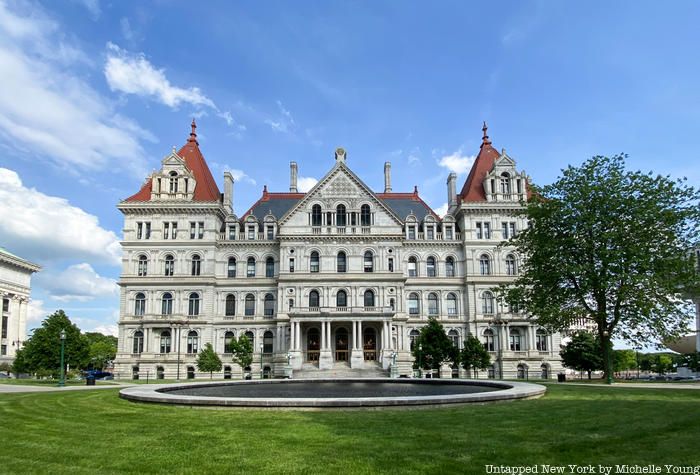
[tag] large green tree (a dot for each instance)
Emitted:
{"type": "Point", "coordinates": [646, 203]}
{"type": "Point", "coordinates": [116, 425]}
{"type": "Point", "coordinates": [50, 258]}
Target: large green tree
{"type": "Point", "coordinates": [433, 347]}
{"type": "Point", "coordinates": [474, 355]}
{"type": "Point", "coordinates": [42, 351]}
{"type": "Point", "coordinates": [582, 353]}
{"type": "Point", "coordinates": [624, 360]}
{"type": "Point", "coordinates": [242, 349]}
{"type": "Point", "coordinates": [208, 360]}
{"type": "Point", "coordinates": [611, 247]}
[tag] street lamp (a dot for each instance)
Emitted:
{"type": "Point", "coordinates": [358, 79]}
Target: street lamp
{"type": "Point", "coordinates": [608, 357]}
{"type": "Point", "coordinates": [420, 360]}
{"type": "Point", "coordinates": [262, 346]}
{"type": "Point", "coordinates": [62, 380]}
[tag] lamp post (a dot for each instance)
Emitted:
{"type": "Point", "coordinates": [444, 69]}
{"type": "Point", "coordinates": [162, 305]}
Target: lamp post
{"type": "Point", "coordinates": [608, 357]}
{"type": "Point", "coordinates": [262, 346]}
{"type": "Point", "coordinates": [62, 380]}
{"type": "Point", "coordinates": [420, 360]}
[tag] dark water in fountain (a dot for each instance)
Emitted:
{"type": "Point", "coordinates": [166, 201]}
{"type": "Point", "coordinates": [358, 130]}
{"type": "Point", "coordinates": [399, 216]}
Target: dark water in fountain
{"type": "Point", "coordinates": [330, 389]}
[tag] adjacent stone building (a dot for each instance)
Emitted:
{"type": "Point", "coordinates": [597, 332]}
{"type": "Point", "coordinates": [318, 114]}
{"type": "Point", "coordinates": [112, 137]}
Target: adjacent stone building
{"type": "Point", "coordinates": [15, 277]}
{"type": "Point", "coordinates": [341, 276]}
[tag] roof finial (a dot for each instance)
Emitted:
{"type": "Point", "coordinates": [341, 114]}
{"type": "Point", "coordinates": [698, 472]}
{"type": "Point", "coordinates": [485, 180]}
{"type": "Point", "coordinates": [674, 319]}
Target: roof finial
{"type": "Point", "coordinates": [193, 134]}
{"type": "Point", "coordinates": [485, 139]}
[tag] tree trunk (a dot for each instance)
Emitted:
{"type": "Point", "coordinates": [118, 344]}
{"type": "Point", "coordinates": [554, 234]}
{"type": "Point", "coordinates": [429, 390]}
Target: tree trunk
{"type": "Point", "coordinates": [589, 374]}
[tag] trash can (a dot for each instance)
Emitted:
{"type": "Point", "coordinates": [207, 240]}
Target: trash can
{"type": "Point", "coordinates": [90, 381]}
{"type": "Point", "coordinates": [561, 377]}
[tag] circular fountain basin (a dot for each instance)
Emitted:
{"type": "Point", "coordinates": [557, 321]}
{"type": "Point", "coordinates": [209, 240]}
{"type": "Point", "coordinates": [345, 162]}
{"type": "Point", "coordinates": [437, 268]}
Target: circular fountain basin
{"type": "Point", "coordinates": [328, 393]}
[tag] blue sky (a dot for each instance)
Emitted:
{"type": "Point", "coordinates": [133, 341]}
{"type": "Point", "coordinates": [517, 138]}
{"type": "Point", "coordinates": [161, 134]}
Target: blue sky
{"type": "Point", "coordinates": [95, 93]}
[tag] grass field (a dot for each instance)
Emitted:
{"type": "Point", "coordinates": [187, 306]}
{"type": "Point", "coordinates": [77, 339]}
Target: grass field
{"type": "Point", "coordinates": [95, 432]}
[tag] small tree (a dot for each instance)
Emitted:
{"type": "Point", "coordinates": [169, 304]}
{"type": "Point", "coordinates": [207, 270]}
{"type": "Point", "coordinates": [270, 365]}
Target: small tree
{"type": "Point", "coordinates": [663, 364]}
{"type": "Point", "coordinates": [582, 353]}
{"type": "Point", "coordinates": [208, 360]}
{"type": "Point", "coordinates": [624, 360]}
{"type": "Point", "coordinates": [242, 350]}
{"type": "Point", "coordinates": [101, 353]}
{"type": "Point", "coordinates": [433, 347]}
{"type": "Point", "coordinates": [6, 368]}
{"type": "Point", "coordinates": [474, 355]}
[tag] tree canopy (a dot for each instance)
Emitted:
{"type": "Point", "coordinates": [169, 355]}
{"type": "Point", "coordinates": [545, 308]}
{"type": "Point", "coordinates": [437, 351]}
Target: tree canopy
{"type": "Point", "coordinates": [582, 353]}
{"type": "Point", "coordinates": [612, 247]}
{"type": "Point", "coordinates": [433, 347]}
{"type": "Point", "coordinates": [208, 361]}
{"type": "Point", "coordinates": [474, 355]}
{"type": "Point", "coordinates": [242, 349]}
{"type": "Point", "coordinates": [42, 351]}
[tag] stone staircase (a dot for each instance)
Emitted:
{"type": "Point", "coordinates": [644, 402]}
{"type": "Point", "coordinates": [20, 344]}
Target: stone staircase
{"type": "Point", "coordinates": [341, 370]}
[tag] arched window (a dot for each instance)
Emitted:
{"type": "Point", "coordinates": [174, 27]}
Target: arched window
{"type": "Point", "coordinates": [412, 267]}
{"type": "Point", "coordinates": [250, 305]}
{"type": "Point", "coordinates": [412, 336]}
{"type": "Point", "coordinates": [139, 304]}
{"type": "Point", "coordinates": [193, 304]}
{"type": "Point", "coordinates": [167, 304]}
{"type": "Point", "coordinates": [342, 262]}
{"type": "Point", "coordinates": [515, 340]}
{"type": "Point", "coordinates": [231, 267]}
{"type": "Point", "coordinates": [173, 182]}
{"type": "Point", "coordinates": [510, 265]}
{"type": "Point", "coordinates": [541, 340]}
{"type": "Point", "coordinates": [165, 342]}
{"type": "Point", "coordinates": [521, 371]}
{"type": "Point", "coordinates": [340, 216]}
{"type": "Point", "coordinates": [160, 372]}
{"type": "Point", "coordinates": [341, 299]}
{"type": "Point", "coordinates": [269, 306]}
{"type": "Point", "coordinates": [365, 216]}
{"type": "Point", "coordinates": [251, 338]}
{"type": "Point", "coordinates": [228, 341]}
{"type": "Point", "coordinates": [369, 261]}
{"type": "Point", "coordinates": [450, 267]}
{"type": "Point", "coordinates": [230, 310]}
{"type": "Point", "coordinates": [485, 265]}
{"type": "Point", "coordinates": [192, 342]}
{"type": "Point", "coordinates": [487, 303]}
{"type": "Point", "coordinates": [142, 270]}
{"type": "Point", "coordinates": [505, 183]}
{"type": "Point", "coordinates": [314, 263]}
{"type": "Point", "coordinates": [269, 267]}
{"type": "Point", "coordinates": [314, 299]}
{"type": "Point", "coordinates": [138, 342]}
{"type": "Point", "coordinates": [430, 264]}
{"type": "Point", "coordinates": [196, 265]}
{"type": "Point", "coordinates": [454, 336]}
{"type": "Point", "coordinates": [250, 270]}
{"type": "Point", "coordinates": [169, 265]}
{"type": "Point", "coordinates": [451, 304]}
{"type": "Point", "coordinates": [413, 304]}
{"type": "Point", "coordinates": [369, 298]}
{"type": "Point", "coordinates": [267, 342]}
{"type": "Point", "coordinates": [489, 341]}
{"type": "Point", "coordinates": [544, 371]}
{"type": "Point", "coordinates": [190, 372]}
{"type": "Point", "coordinates": [432, 304]}
{"type": "Point", "coordinates": [227, 372]}
{"type": "Point", "coordinates": [316, 215]}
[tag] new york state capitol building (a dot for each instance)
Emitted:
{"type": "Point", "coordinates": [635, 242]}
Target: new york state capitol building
{"type": "Point", "coordinates": [338, 277]}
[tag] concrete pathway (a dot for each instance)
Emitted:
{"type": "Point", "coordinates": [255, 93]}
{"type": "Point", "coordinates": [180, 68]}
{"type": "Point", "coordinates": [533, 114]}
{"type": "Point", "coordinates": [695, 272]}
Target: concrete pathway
{"type": "Point", "coordinates": [640, 385]}
{"type": "Point", "coordinates": [18, 388]}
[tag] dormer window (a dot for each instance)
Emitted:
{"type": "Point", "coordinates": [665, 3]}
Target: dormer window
{"type": "Point", "coordinates": [316, 215]}
{"type": "Point", "coordinates": [430, 233]}
{"type": "Point", "coordinates": [412, 233]}
{"type": "Point", "coordinates": [173, 182]}
{"type": "Point", "coordinates": [251, 233]}
{"type": "Point", "coordinates": [505, 183]}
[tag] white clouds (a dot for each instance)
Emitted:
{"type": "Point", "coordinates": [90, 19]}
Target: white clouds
{"type": "Point", "coordinates": [44, 227]}
{"type": "Point", "coordinates": [125, 27]}
{"type": "Point", "coordinates": [134, 74]}
{"type": "Point", "coordinates": [456, 162]}
{"type": "Point", "coordinates": [46, 109]}
{"type": "Point", "coordinates": [92, 6]}
{"type": "Point", "coordinates": [305, 183]}
{"type": "Point", "coordinates": [107, 329]}
{"type": "Point", "coordinates": [284, 123]}
{"type": "Point", "coordinates": [36, 311]}
{"type": "Point", "coordinates": [442, 210]}
{"type": "Point", "coordinates": [78, 282]}
{"type": "Point", "coordinates": [238, 175]}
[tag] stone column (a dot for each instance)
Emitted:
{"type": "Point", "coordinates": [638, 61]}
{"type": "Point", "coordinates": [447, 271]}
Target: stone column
{"type": "Point", "coordinates": [357, 358]}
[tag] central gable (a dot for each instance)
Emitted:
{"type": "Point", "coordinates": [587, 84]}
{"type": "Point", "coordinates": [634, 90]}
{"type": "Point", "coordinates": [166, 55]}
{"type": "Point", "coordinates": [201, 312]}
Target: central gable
{"type": "Point", "coordinates": [340, 186]}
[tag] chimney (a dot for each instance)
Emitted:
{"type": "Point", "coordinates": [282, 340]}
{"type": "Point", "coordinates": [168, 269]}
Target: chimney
{"type": "Point", "coordinates": [293, 177]}
{"type": "Point", "coordinates": [452, 189]}
{"type": "Point", "coordinates": [387, 177]}
{"type": "Point", "coordinates": [228, 191]}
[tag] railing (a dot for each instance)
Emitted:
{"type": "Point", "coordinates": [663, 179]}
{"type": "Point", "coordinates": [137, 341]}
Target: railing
{"type": "Point", "coordinates": [341, 355]}
{"type": "Point", "coordinates": [370, 355]}
{"type": "Point", "coordinates": [334, 230]}
{"type": "Point", "coordinates": [319, 310]}
{"type": "Point", "coordinates": [312, 355]}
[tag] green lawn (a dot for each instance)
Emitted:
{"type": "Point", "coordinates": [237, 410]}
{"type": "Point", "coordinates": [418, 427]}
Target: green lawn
{"type": "Point", "coordinates": [48, 382]}
{"type": "Point", "coordinates": [95, 432]}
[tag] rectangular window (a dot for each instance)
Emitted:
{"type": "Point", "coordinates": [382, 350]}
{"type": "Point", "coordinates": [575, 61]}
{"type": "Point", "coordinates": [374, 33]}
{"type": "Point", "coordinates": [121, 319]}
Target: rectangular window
{"type": "Point", "coordinates": [412, 232]}
{"type": "Point", "coordinates": [200, 235]}
{"type": "Point", "coordinates": [291, 264]}
{"type": "Point", "coordinates": [391, 264]}
{"type": "Point", "coordinates": [487, 230]}
{"type": "Point", "coordinates": [148, 230]}
{"type": "Point", "coordinates": [3, 350]}
{"type": "Point", "coordinates": [251, 233]}
{"type": "Point", "coordinates": [508, 230]}
{"type": "Point", "coordinates": [511, 227]}
{"type": "Point", "coordinates": [448, 233]}
{"type": "Point", "coordinates": [139, 230]}
{"type": "Point", "coordinates": [193, 230]}
{"type": "Point", "coordinates": [270, 233]}
{"type": "Point", "coordinates": [431, 233]}
{"type": "Point", "coordinates": [232, 233]}
{"type": "Point", "coordinates": [5, 305]}
{"type": "Point", "coordinates": [479, 231]}
{"type": "Point", "coordinates": [174, 227]}
{"type": "Point", "coordinates": [4, 327]}
{"type": "Point", "coordinates": [166, 230]}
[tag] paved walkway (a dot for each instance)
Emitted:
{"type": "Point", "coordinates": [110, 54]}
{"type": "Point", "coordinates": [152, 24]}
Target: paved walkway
{"type": "Point", "coordinates": [18, 388]}
{"type": "Point", "coordinates": [641, 385]}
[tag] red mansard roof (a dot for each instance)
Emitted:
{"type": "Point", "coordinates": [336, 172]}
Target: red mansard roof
{"type": "Point", "coordinates": [206, 189]}
{"type": "Point", "coordinates": [473, 189]}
